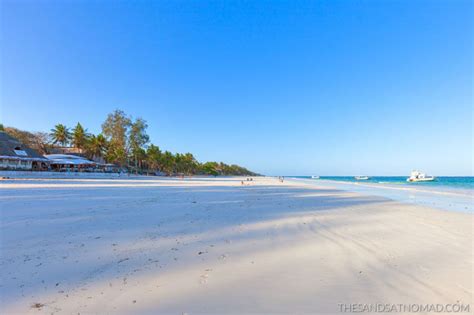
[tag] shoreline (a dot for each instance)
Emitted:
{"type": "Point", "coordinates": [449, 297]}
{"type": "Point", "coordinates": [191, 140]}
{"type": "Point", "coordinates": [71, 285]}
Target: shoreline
{"type": "Point", "coordinates": [439, 197]}
{"type": "Point", "coordinates": [438, 188]}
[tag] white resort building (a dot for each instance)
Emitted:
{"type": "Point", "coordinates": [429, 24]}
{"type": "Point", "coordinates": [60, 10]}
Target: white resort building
{"type": "Point", "coordinates": [77, 163]}
{"type": "Point", "coordinates": [16, 156]}
{"type": "Point", "coordinates": [69, 162]}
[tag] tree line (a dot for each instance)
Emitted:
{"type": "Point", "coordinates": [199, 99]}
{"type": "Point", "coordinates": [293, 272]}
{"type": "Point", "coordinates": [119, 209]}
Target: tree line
{"type": "Point", "coordinates": [124, 142]}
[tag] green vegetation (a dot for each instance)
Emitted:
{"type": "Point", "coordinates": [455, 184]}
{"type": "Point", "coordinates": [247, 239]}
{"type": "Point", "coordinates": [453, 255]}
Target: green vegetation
{"type": "Point", "coordinates": [60, 134]}
{"type": "Point", "coordinates": [79, 137]}
{"type": "Point", "coordinates": [123, 142]}
{"type": "Point", "coordinates": [115, 129]}
{"type": "Point", "coordinates": [96, 146]}
{"type": "Point", "coordinates": [39, 141]}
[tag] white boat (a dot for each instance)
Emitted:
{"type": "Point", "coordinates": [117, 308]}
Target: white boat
{"type": "Point", "coordinates": [361, 177]}
{"type": "Point", "coordinates": [315, 177]}
{"type": "Point", "coordinates": [417, 176]}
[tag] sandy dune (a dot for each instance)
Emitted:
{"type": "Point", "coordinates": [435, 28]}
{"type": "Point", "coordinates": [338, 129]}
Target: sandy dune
{"type": "Point", "coordinates": [213, 246]}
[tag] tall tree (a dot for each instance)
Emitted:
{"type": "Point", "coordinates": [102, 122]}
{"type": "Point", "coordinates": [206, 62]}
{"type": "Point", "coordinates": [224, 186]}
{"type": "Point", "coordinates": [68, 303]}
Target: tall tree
{"type": "Point", "coordinates": [153, 155]}
{"type": "Point", "coordinates": [138, 139]}
{"type": "Point", "coordinates": [168, 163]}
{"type": "Point", "coordinates": [189, 164]}
{"type": "Point", "coordinates": [79, 137]}
{"type": "Point", "coordinates": [96, 146]}
{"type": "Point", "coordinates": [210, 168]}
{"type": "Point", "coordinates": [60, 134]}
{"type": "Point", "coordinates": [115, 128]}
{"type": "Point", "coordinates": [140, 159]}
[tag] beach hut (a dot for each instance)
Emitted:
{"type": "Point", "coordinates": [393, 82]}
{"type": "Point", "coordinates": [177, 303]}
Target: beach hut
{"type": "Point", "coordinates": [16, 156]}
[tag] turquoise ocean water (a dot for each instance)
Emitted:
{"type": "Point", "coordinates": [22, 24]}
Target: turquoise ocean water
{"type": "Point", "coordinates": [464, 182]}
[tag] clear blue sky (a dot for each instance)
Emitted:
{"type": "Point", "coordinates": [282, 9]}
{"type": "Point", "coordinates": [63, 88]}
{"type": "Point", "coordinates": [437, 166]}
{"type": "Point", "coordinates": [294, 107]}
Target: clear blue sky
{"type": "Point", "coordinates": [281, 87]}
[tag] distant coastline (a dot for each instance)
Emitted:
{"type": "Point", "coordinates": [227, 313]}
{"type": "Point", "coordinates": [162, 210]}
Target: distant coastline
{"type": "Point", "coordinates": [123, 144]}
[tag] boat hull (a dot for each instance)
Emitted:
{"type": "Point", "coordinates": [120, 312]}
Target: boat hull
{"type": "Point", "coordinates": [412, 180]}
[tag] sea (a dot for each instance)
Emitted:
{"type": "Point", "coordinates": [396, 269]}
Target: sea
{"type": "Point", "coordinates": [445, 192]}
{"type": "Point", "coordinates": [450, 182]}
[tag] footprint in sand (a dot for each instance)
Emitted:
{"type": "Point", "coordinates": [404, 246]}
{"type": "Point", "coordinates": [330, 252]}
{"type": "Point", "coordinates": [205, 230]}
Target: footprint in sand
{"type": "Point", "coordinates": [203, 278]}
{"type": "Point", "coordinates": [37, 305]}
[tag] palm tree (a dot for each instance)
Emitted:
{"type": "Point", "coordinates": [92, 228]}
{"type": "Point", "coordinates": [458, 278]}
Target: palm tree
{"type": "Point", "coordinates": [96, 146]}
{"type": "Point", "coordinates": [210, 168]}
{"type": "Point", "coordinates": [153, 155]}
{"type": "Point", "coordinates": [168, 162]}
{"type": "Point", "coordinates": [60, 134]}
{"type": "Point", "coordinates": [79, 137]}
{"type": "Point", "coordinates": [189, 163]}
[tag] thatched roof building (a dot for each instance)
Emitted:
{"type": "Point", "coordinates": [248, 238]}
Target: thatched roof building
{"type": "Point", "coordinates": [15, 155]}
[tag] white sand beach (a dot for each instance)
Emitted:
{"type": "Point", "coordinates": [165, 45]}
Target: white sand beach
{"type": "Point", "coordinates": [214, 246]}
